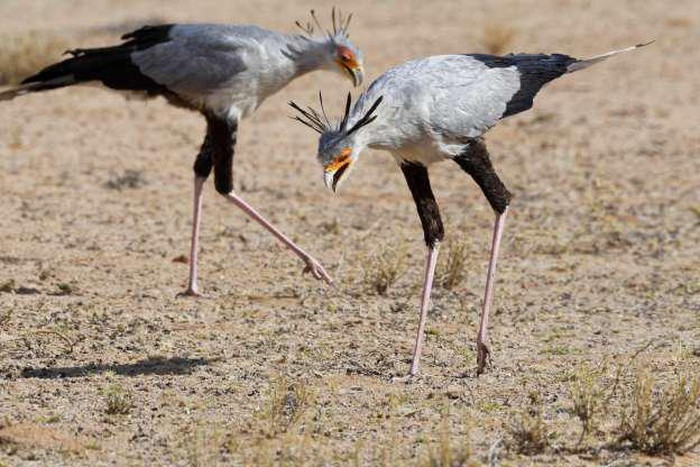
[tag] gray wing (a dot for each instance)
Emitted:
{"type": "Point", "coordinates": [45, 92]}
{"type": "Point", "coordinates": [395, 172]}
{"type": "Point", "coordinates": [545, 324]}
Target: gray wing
{"type": "Point", "coordinates": [199, 58]}
{"type": "Point", "coordinates": [467, 97]}
{"type": "Point", "coordinates": [446, 97]}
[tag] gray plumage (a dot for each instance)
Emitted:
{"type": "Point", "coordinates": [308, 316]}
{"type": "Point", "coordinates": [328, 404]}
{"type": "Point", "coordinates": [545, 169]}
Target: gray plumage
{"type": "Point", "coordinates": [224, 69]}
{"type": "Point", "coordinates": [432, 107]}
{"type": "Point", "coordinates": [234, 67]}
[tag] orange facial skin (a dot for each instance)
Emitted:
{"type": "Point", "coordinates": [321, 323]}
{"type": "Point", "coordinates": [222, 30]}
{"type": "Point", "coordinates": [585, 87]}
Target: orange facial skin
{"type": "Point", "coordinates": [340, 161]}
{"type": "Point", "coordinates": [346, 57]}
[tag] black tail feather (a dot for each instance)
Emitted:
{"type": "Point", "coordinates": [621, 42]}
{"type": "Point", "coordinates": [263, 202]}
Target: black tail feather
{"type": "Point", "coordinates": [35, 87]}
{"type": "Point", "coordinates": [110, 65]}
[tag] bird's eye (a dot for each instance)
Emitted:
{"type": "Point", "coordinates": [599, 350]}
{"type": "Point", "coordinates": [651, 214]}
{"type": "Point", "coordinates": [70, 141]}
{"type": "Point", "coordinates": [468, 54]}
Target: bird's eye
{"type": "Point", "coordinates": [345, 54]}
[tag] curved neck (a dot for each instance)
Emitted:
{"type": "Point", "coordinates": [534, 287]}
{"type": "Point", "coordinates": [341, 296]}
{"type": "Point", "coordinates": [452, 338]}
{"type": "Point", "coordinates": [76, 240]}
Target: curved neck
{"type": "Point", "coordinates": [309, 54]}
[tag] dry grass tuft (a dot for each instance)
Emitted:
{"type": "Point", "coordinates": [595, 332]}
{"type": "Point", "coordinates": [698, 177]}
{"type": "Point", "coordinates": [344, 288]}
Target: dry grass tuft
{"type": "Point", "coordinates": [117, 400]}
{"type": "Point", "coordinates": [25, 54]}
{"type": "Point", "coordinates": [590, 394]}
{"type": "Point", "coordinates": [662, 420]}
{"type": "Point", "coordinates": [53, 332]}
{"type": "Point", "coordinates": [529, 433]}
{"type": "Point", "coordinates": [65, 288]}
{"type": "Point", "coordinates": [130, 179]}
{"type": "Point", "coordinates": [9, 286]}
{"type": "Point", "coordinates": [204, 444]}
{"type": "Point", "coordinates": [448, 453]}
{"type": "Point", "coordinates": [286, 405]}
{"type": "Point", "coordinates": [496, 38]}
{"type": "Point", "coordinates": [452, 272]}
{"type": "Point", "coordinates": [383, 268]}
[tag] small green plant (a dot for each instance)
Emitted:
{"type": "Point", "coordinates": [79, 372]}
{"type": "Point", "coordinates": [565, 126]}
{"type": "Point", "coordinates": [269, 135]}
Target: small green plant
{"type": "Point", "coordinates": [453, 271]}
{"type": "Point", "coordinates": [662, 420]}
{"type": "Point", "coordinates": [117, 400]}
{"type": "Point", "coordinates": [383, 268]}
{"type": "Point", "coordinates": [65, 288]}
{"type": "Point", "coordinates": [48, 419]}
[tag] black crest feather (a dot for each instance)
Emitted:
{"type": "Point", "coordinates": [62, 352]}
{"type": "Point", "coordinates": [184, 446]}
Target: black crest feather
{"type": "Point", "coordinates": [321, 124]}
{"type": "Point", "coordinates": [339, 21]}
{"type": "Point", "coordinates": [367, 118]}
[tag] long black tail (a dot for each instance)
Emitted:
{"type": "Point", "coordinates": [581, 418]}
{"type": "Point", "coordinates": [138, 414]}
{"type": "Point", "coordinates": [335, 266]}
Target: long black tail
{"type": "Point", "coordinates": [110, 65]}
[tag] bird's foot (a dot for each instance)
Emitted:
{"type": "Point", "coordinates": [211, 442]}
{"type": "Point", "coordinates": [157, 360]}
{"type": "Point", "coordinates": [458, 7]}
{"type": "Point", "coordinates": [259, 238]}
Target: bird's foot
{"type": "Point", "coordinates": [483, 357]}
{"type": "Point", "coordinates": [191, 292]}
{"type": "Point", "coordinates": [315, 268]}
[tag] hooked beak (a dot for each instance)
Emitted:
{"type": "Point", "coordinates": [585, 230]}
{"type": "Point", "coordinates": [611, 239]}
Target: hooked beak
{"type": "Point", "coordinates": [356, 73]}
{"type": "Point", "coordinates": [333, 176]}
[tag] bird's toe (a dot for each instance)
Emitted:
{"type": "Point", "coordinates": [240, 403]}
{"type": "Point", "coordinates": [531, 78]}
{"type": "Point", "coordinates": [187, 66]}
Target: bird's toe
{"type": "Point", "coordinates": [190, 292]}
{"type": "Point", "coordinates": [483, 357]}
{"type": "Point", "coordinates": [317, 271]}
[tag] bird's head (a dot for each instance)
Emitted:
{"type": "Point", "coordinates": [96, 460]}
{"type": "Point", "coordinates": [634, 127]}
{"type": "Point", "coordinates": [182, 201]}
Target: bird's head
{"type": "Point", "coordinates": [348, 59]}
{"type": "Point", "coordinates": [345, 58]}
{"type": "Point", "coordinates": [337, 155]}
{"type": "Point", "coordinates": [338, 145]}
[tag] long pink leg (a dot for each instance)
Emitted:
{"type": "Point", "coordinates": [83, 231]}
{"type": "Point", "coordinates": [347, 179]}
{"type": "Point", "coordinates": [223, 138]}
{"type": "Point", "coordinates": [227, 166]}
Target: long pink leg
{"type": "Point", "coordinates": [430, 262]}
{"type": "Point", "coordinates": [482, 340]}
{"type": "Point", "coordinates": [312, 265]}
{"type": "Point", "coordinates": [192, 289]}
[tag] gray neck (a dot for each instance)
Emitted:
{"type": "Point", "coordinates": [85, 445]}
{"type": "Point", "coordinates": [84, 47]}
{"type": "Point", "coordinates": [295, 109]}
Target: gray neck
{"type": "Point", "coordinates": [309, 54]}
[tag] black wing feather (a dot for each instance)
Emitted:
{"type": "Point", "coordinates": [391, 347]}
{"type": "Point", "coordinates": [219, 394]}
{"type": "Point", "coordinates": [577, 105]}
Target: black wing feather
{"type": "Point", "coordinates": [535, 70]}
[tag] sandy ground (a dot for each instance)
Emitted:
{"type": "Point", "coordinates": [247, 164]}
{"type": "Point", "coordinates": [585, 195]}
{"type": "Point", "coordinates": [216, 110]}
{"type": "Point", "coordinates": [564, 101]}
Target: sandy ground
{"type": "Point", "coordinates": [600, 262]}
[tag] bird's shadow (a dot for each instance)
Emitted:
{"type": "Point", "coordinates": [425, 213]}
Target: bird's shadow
{"type": "Point", "coordinates": [149, 366]}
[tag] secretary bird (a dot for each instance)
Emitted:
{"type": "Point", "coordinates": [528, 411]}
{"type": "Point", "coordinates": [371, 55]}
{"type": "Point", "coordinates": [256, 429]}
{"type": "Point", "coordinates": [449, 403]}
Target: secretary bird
{"type": "Point", "coordinates": [436, 108]}
{"type": "Point", "coordinates": [222, 71]}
